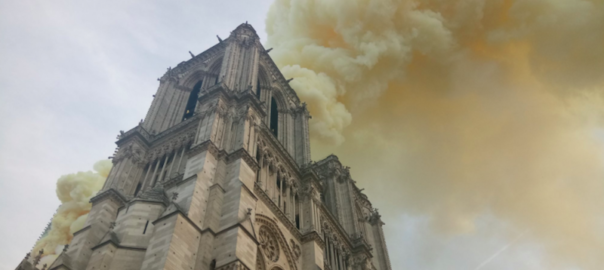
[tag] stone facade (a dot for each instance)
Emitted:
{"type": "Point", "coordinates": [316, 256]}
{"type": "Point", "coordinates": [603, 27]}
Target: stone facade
{"type": "Point", "coordinates": [219, 176]}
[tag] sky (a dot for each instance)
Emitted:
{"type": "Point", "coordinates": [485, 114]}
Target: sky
{"type": "Point", "coordinates": [479, 140]}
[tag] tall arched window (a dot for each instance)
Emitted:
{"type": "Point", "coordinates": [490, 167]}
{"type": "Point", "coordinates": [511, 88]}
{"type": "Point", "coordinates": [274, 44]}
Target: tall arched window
{"type": "Point", "coordinates": [192, 102]}
{"type": "Point", "coordinates": [297, 211]}
{"type": "Point", "coordinates": [138, 188]}
{"type": "Point", "coordinates": [274, 126]}
{"type": "Point", "coordinates": [260, 167]}
{"type": "Point", "coordinates": [258, 89]}
{"type": "Point", "coordinates": [278, 184]}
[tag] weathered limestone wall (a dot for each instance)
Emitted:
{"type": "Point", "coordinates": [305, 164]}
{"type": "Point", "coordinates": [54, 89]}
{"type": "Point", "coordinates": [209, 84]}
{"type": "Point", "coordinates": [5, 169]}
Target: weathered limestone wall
{"type": "Point", "coordinates": [219, 191]}
{"type": "Point", "coordinates": [99, 220]}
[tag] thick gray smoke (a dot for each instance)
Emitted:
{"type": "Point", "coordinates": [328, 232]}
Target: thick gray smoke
{"type": "Point", "coordinates": [457, 109]}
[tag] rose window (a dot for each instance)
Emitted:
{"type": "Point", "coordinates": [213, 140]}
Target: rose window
{"type": "Point", "coordinates": [269, 244]}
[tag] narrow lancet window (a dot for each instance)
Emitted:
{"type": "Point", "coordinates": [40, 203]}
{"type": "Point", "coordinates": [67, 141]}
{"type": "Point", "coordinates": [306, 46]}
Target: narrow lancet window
{"type": "Point", "coordinates": [298, 221]}
{"type": "Point", "coordinates": [192, 102]}
{"type": "Point", "coordinates": [274, 126]}
{"type": "Point", "coordinates": [138, 188]}
{"type": "Point", "coordinates": [260, 168]}
{"type": "Point", "coordinates": [278, 184]}
{"type": "Point", "coordinates": [258, 89]}
{"type": "Point", "coordinates": [146, 225]}
{"type": "Point", "coordinates": [297, 211]}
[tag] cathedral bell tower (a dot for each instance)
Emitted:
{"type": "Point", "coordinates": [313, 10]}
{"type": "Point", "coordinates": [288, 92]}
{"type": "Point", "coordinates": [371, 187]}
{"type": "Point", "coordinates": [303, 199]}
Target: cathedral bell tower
{"type": "Point", "coordinates": [218, 176]}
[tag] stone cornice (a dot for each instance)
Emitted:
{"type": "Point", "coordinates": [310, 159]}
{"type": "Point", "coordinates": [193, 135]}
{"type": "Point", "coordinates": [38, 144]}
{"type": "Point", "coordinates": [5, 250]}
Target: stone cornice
{"type": "Point", "coordinates": [199, 59]}
{"type": "Point", "coordinates": [109, 241]}
{"type": "Point", "coordinates": [137, 200]}
{"type": "Point", "coordinates": [109, 193]}
{"type": "Point", "coordinates": [207, 230]}
{"type": "Point", "coordinates": [251, 99]}
{"type": "Point", "coordinates": [249, 192]}
{"type": "Point", "coordinates": [245, 156]}
{"type": "Point", "coordinates": [204, 146]}
{"type": "Point", "coordinates": [179, 128]}
{"type": "Point", "coordinates": [138, 132]}
{"type": "Point", "coordinates": [311, 175]}
{"type": "Point", "coordinates": [360, 245]}
{"type": "Point", "coordinates": [234, 265]}
{"type": "Point", "coordinates": [154, 146]}
{"type": "Point", "coordinates": [220, 90]}
{"type": "Point", "coordinates": [147, 139]}
{"type": "Point", "coordinates": [82, 230]}
{"type": "Point", "coordinates": [217, 186]}
{"type": "Point", "coordinates": [313, 236]}
{"type": "Point", "coordinates": [173, 181]}
{"type": "Point", "coordinates": [241, 153]}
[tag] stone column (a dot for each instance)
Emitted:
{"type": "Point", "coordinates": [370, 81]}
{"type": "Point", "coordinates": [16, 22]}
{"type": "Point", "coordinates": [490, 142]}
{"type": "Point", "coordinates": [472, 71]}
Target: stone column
{"type": "Point", "coordinates": [153, 179]}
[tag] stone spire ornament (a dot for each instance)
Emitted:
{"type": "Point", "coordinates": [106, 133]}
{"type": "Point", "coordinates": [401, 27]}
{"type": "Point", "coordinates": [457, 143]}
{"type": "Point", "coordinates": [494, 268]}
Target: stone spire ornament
{"type": "Point", "coordinates": [38, 257]}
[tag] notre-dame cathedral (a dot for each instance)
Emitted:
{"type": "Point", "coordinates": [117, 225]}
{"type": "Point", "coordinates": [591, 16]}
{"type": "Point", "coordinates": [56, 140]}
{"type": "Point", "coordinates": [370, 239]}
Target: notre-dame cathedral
{"type": "Point", "coordinates": [219, 176]}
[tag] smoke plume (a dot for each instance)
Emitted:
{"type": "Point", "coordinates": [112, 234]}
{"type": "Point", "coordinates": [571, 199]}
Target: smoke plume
{"type": "Point", "coordinates": [74, 191]}
{"type": "Point", "coordinates": [459, 109]}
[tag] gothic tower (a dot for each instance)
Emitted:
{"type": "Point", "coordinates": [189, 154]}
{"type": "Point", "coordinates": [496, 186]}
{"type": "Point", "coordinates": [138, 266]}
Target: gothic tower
{"type": "Point", "coordinates": [218, 176]}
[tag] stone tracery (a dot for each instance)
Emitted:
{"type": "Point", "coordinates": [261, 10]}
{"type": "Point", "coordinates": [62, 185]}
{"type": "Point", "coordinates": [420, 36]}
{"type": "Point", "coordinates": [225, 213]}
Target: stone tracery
{"type": "Point", "coordinates": [274, 231]}
{"type": "Point", "coordinates": [269, 244]}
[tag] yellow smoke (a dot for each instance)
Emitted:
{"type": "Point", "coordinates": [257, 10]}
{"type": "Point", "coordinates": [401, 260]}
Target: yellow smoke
{"type": "Point", "coordinates": [458, 108]}
{"type": "Point", "coordinates": [74, 191]}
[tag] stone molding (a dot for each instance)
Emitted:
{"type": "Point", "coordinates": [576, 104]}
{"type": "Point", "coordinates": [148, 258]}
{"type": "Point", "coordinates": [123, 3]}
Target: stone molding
{"type": "Point", "coordinates": [274, 229]}
{"type": "Point", "coordinates": [144, 147]}
{"type": "Point", "coordinates": [295, 249]}
{"type": "Point", "coordinates": [177, 73]}
{"type": "Point", "coordinates": [235, 265]}
{"type": "Point", "coordinates": [204, 146]}
{"type": "Point", "coordinates": [260, 263]}
{"type": "Point", "coordinates": [331, 167]}
{"type": "Point", "coordinates": [313, 236]}
{"type": "Point", "coordinates": [117, 245]}
{"type": "Point", "coordinates": [111, 194]}
{"type": "Point", "coordinates": [249, 191]}
{"type": "Point", "coordinates": [268, 243]}
{"type": "Point", "coordinates": [209, 146]}
{"type": "Point", "coordinates": [217, 186]}
{"type": "Point", "coordinates": [268, 144]}
{"type": "Point", "coordinates": [241, 153]}
{"type": "Point", "coordinates": [332, 226]}
{"type": "Point", "coordinates": [362, 262]}
{"type": "Point", "coordinates": [277, 211]}
{"type": "Point", "coordinates": [273, 71]}
{"type": "Point", "coordinates": [82, 230]}
{"type": "Point", "coordinates": [177, 179]}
